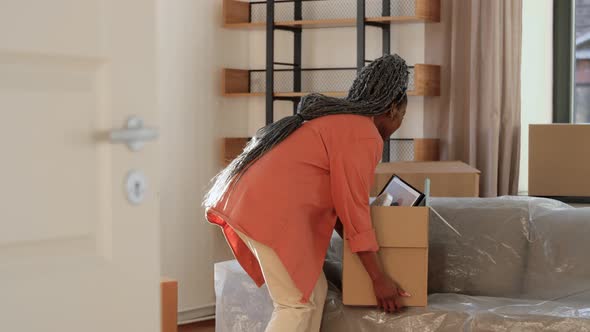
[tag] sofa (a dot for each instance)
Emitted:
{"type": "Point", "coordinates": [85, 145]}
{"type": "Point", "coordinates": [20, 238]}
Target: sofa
{"type": "Point", "coordinates": [517, 264]}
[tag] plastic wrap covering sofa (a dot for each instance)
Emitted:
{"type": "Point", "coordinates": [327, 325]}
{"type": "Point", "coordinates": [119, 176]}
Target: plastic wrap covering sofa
{"type": "Point", "coordinates": [517, 264]}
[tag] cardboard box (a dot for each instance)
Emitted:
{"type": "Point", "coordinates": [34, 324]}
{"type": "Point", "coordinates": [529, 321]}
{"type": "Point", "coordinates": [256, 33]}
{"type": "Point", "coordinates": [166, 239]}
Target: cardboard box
{"type": "Point", "coordinates": [559, 160]}
{"type": "Point", "coordinates": [169, 304]}
{"type": "Point", "coordinates": [402, 234]}
{"type": "Point", "coordinates": [448, 178]}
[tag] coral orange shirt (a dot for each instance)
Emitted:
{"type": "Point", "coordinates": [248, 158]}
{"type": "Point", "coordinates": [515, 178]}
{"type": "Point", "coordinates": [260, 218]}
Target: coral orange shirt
{"type": "Point", "coordinates": [290, 198]}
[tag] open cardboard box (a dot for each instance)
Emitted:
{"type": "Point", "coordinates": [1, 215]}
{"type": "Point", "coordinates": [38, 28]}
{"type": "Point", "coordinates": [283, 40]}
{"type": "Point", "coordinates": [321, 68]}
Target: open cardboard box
{"type": "Point", "coordinates": [402, 234]}
{"type": "Point", "coordinates": [449, 178]}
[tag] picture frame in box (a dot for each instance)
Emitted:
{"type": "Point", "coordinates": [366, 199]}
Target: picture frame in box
{"type": "Point", "coordinates": [402, 193]}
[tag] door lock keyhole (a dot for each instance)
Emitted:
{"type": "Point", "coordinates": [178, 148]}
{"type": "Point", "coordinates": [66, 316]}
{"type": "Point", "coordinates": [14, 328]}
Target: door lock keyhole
{"type": "Point", "coordinates": [135, 187]}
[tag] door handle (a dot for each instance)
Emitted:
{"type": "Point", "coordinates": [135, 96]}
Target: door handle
{"type": "Point", "coordinates": [135, 135]}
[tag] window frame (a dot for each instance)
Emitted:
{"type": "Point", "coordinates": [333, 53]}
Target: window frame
{"type": "Point", "coordinates": [563, 57]}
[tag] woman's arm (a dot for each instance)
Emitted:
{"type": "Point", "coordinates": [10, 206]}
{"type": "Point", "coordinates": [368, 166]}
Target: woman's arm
{"type": "Point", "coordinates": [352, 168]}
{"type": "Point", "coordinates": [386, 290]}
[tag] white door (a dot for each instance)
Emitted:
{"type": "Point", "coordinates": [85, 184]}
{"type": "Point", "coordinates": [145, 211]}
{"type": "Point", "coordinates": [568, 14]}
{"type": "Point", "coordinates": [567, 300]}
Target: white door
{"type": "Point", "coordinates": [75, 255]}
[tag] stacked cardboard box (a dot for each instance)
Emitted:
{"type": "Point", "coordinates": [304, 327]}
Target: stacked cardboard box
{"type": "Point", "coordinates": [448, 178]}
{"type": "Point", "coordinates": [402, 232]}
{"type": "Point", "coordinates": [559, 160]}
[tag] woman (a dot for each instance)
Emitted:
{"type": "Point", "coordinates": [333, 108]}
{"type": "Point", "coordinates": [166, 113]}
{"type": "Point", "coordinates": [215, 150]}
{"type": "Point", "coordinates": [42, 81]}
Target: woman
{"type": "Point", "coordinates": [280, 200]}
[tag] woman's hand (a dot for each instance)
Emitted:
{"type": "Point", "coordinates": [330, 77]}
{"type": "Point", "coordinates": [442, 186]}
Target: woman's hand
{"type": "Point", "coordinates": [388, 293]}
{"type": "Point", "coordinates": [386, 290]}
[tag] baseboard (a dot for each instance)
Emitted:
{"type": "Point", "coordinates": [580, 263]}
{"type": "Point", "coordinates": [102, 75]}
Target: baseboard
{"type": "Point", "coordinates": [196, 314]}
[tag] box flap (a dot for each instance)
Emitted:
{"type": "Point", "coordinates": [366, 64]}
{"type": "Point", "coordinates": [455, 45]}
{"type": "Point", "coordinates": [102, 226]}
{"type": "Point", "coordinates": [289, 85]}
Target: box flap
{"type": "Point", "coordinates": [432, 167]}
{"type": "Point", "coordinates": [401, 226]}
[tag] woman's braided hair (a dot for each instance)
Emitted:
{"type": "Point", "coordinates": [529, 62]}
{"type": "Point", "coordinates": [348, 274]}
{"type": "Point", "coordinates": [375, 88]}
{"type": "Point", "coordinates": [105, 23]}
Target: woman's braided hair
{"type": "Point", "coordinates": [377, 89]}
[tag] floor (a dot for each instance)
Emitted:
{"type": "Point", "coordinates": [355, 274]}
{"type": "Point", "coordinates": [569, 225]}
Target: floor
{"type": "Point", "coordinates": [206, 326]}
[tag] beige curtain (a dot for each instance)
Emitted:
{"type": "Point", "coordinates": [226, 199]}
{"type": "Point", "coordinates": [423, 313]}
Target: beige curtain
{"type": "Point", "coordinates": [479, 120]}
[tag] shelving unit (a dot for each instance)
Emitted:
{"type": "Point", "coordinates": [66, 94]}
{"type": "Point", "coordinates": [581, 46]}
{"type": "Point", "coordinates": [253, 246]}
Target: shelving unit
{"type": "Point", "coordinates": [291, 84]}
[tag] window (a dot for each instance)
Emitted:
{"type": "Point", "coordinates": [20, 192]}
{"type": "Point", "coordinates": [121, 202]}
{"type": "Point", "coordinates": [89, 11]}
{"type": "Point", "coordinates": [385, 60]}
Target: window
{"type": "Point", "coordinates": [571, 65]}
{"type": "Point", "coordinates": [581, 109]}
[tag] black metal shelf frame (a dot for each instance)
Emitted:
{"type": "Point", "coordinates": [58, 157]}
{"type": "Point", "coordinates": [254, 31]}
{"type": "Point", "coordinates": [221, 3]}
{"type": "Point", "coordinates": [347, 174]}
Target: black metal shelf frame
{"type": "Point", "coordinates": [361, 26]}
{"type": "Point", "coordinates": [271, 27]}
{"type": "Point", "coordinates": [270, 58]}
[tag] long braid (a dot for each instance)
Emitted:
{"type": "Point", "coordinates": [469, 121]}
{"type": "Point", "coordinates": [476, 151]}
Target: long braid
{"type": "Point", "coordinates": [377, 88]}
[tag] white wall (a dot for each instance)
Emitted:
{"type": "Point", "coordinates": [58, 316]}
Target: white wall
{"type": "Point", "coordinates": [192, 50]}
{"type": "Point", "coordinates": [536, 74]}
{"type": "Point", "coordinates": [337, 48]}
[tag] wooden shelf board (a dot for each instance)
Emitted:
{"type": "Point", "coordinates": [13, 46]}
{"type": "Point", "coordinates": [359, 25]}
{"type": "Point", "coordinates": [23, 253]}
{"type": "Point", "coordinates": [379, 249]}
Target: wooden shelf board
{"type": "Point", "coordinates": [283, 94]}
{"type": "Point", "coordinates": [231, 148]}
{"type": "Point", "coordinates": [244, 94]}
{"type": "Point", "coordinates": [297, 94]}
{"type": "Point", "coordinates": [399, 19]}
{"type": "Point", "coordinates": [236, 15]}
{"type": "Point", "coordinates": [254, 25]}
{"type": "Point", "coordinates": [329, 23]}
{"type": "Point", "coordinates": [301, 94]}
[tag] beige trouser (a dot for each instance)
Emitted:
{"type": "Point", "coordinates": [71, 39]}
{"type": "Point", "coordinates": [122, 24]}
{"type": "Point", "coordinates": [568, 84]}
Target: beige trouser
{"type": "Point", "coordinates": [289, 313]}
